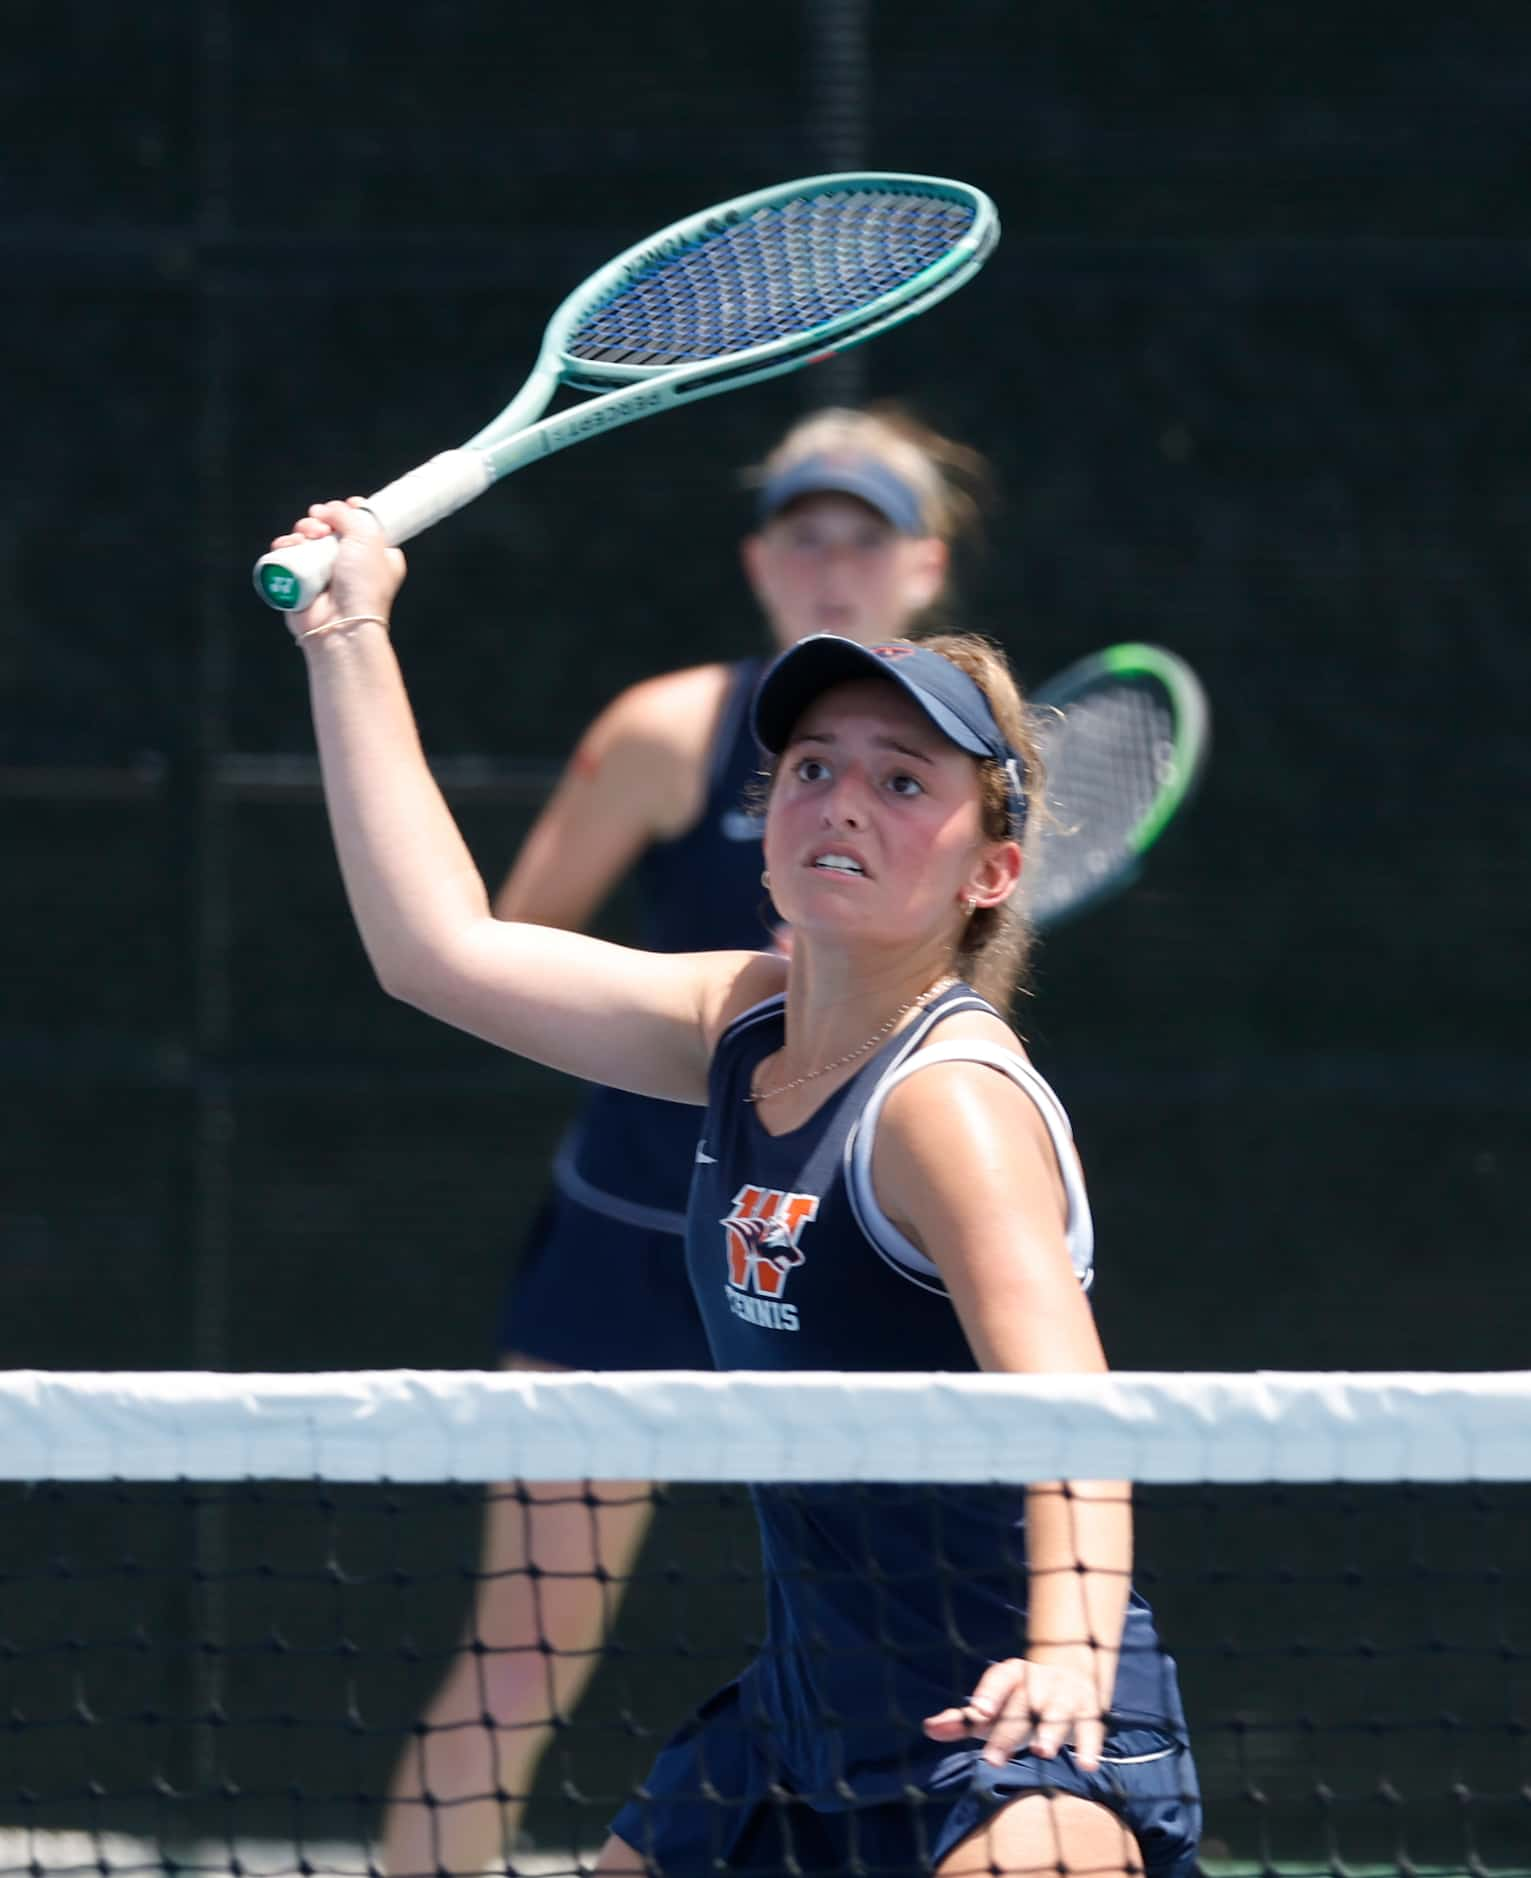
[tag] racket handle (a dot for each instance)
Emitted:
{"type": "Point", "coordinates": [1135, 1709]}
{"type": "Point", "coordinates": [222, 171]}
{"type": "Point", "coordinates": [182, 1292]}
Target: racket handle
{"type": "Point", "coordinates": [291, 579]}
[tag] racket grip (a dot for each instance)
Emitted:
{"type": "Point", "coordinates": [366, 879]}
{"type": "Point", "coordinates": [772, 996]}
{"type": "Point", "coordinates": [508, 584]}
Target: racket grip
{"type": "Point", "coordinates": [291, 579]}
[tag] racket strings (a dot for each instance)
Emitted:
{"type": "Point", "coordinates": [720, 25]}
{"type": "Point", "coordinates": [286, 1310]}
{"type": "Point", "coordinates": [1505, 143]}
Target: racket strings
{"type": "Point", "coordinates": [1108, 763]}
{"type": "Point", "coordinates": [779, 273]}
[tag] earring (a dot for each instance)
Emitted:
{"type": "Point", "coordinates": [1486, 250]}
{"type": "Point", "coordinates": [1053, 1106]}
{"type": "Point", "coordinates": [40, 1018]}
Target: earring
{"type": "Point", "coordinates": [968, 904]}
{"type": "Point", "coordinates": [765, 878]}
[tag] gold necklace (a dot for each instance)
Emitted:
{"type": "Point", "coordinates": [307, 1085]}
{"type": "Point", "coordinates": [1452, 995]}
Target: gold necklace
{"type": "Point", "coordinates": [824, 1069]}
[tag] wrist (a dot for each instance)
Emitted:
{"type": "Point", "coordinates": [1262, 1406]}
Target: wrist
{"type": "Point", "coordinates": [1093, 1662]}
{"type": "Point", "coordinates": [348, 623]}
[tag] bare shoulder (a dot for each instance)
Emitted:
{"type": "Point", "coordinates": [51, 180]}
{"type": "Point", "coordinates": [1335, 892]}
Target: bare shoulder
{"type": "Point", "coordinates": [738, 982]}
{"type": "Point", "coordinates": [676, 711]}
{"type": "Point", "coordinates": [962, 1125]}
{"type": "Point", "coordinates": [654, 739]}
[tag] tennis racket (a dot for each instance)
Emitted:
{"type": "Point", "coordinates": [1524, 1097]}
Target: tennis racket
{"type": "Point", "coordinates": [1124, 738]}
{"type": "Point", "coordinates": [761, 285]}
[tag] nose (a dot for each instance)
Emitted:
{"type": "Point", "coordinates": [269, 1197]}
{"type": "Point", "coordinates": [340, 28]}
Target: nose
{"type": "Point", "coordinates": [844, 803]}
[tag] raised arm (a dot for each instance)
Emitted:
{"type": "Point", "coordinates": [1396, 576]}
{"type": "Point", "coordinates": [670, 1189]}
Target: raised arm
{"type": "Point", "coordinates": [965, 1166]}
{"type": "Point", "coordinates": [641, 1021]}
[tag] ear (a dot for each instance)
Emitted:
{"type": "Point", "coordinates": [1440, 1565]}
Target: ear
{"type": "Point", "coordinates": [996, 876]}
{"type": "Point", "coordinates": [927, 565]}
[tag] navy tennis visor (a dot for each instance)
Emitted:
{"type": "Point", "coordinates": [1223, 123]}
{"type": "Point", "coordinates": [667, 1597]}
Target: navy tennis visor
{"type": "Point", "coordinates": [943, 691]}
{"type": "Point", "coordinates": [866, 477]}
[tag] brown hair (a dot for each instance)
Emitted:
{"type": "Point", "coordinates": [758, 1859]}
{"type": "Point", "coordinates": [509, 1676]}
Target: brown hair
{"type": "Point", "coordinates": [995, 952]}
{"type": "Point", "coordinates": [951, 480]}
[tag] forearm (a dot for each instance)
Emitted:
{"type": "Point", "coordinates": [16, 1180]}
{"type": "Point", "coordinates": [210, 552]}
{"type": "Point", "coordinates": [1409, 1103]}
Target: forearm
{"type": "Point", "coordinates": [412, 884]}
{"type": "Point", "coordinates": [1079, 1560]}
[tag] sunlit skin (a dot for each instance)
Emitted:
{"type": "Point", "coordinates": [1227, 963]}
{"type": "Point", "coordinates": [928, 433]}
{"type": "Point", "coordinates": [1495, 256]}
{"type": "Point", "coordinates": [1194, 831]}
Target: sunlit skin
{"type": "Point", "coordinates": [964, 1165]}
{"type": "Point", "coordinates": [867, 778]}
{"type": "Point", "coordinates": [830, 564]}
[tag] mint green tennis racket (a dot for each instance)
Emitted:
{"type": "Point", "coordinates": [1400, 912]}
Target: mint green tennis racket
{"type": "Point", "coordinates": [761, 285]}
{"type": "Point", "coordinates": [1124, 735]}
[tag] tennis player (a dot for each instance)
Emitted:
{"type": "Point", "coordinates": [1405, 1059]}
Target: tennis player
{"type": "Point", "coordinates": [857, 513]}
{"type": "Point", "coordinates": [959, 1682]}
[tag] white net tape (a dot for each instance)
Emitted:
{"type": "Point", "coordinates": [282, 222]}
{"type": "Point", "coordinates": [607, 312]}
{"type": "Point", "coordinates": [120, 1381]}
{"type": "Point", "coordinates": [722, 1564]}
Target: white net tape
{"type": "Point", "coordinates": [416, 1425]}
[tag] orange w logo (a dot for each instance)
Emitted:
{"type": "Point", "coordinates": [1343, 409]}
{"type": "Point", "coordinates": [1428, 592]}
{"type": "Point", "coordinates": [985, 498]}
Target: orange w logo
{"type": "Point", "coordinates": [763, 1230]}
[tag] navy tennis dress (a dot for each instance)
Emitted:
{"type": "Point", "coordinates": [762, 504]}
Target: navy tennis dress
{"type": "Point", "coordinates": [885, 1603]}
{"type": "Point", "coordinates": [614, 1222]}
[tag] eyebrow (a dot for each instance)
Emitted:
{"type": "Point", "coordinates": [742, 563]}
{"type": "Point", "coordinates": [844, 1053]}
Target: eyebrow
{"type": "Point", "coordinates": [881, 743]}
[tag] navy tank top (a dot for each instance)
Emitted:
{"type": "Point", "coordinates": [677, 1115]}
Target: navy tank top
{"type": "Point", "coordinates": [884, 1602]}
{"type": "Point", "coordinates": [628, 1157]}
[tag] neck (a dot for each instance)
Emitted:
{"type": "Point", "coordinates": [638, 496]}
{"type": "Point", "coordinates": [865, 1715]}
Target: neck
{"type": "Point", "coordinates": [835, 999]}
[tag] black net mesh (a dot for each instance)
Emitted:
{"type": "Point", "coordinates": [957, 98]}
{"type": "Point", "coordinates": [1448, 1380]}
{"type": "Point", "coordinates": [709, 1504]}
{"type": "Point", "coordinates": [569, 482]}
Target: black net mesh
{"type": "Point", "coordinates": [776, 272]}
{"type": "Point", "coordinates": [232, 1678]}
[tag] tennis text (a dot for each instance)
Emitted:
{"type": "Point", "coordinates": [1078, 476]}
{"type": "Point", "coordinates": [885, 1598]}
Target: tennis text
{"type": "Point", "coordinates": [762, 1230]}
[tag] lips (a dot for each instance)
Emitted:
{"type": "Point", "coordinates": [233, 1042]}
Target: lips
{"type": "Point", "coordinates": [839, 861]}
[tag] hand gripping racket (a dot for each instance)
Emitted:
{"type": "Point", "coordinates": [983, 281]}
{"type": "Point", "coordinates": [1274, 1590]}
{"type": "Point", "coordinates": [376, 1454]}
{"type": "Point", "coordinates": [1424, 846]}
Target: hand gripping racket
{"type": "Point", "coordinates": [762, 285]}
{"type": "Point", "coordinates": [1124, 742]}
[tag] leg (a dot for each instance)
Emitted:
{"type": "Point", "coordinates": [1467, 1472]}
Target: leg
{"type": "Point", "coordinates": [489, 1722]}
{"type": "Point", "coordinates": [617, 1860]}
{"type": "Point", "coordinates": [1047, 1835]}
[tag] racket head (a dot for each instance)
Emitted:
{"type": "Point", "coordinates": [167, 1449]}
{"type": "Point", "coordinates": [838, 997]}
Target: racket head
{"type": "Point", "coordinates": [772, 279]}
{"type": "Point", "coordinates": [1125, 735]}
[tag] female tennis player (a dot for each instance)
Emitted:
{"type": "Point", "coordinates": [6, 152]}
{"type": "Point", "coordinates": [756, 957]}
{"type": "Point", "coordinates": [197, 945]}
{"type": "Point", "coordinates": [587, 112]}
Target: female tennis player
{"type": "Point", "coordinates": [958, 1682]}
{"type": "Point", "coordinates": [856, 515]}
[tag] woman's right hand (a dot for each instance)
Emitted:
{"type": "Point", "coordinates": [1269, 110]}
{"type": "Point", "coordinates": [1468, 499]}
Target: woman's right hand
{"type": "Point", "coordinates": [367, 573]}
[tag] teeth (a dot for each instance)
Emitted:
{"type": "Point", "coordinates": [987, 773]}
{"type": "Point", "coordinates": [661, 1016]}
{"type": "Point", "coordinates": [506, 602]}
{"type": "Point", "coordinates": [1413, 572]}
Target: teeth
{"type": "Point", "coordinates": [839, 863]}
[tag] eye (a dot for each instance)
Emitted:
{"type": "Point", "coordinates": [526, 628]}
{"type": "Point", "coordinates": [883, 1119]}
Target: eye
{"type": "Point", "coordinates": [810, 769]}
{"type": "Point", "coordinates": [903, 784]}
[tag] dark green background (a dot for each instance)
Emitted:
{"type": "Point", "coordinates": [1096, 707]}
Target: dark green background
{"type": "Point", "coordinates": [1251, 363]}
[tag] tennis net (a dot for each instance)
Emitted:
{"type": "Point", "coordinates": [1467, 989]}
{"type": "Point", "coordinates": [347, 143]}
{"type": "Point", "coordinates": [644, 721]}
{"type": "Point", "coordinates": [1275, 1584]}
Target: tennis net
{"type": "Point", "coordinates": [225, 1599]}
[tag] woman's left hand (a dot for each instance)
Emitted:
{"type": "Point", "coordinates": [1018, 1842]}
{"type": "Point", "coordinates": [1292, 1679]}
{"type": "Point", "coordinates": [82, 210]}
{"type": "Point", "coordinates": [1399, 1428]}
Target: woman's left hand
{"type": "Point", "coordinates": [1038, 1706]}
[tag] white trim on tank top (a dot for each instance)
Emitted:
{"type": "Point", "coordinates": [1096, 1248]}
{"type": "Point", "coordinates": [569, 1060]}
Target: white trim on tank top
{"type": "Point", "coordinates": [886, 1240]}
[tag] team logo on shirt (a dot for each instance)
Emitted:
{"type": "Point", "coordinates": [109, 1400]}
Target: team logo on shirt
{"type": "Point", "coordinates": [762, 1229]}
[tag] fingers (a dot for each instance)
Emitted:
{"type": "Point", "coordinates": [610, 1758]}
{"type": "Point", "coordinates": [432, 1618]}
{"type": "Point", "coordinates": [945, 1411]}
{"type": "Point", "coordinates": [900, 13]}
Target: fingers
{"type": "Point", "coordinates": [997, 1689]}
{"type": "Point", "coordinates": [1089, 1741]}
{"type": "Point", "coordinates": [950, 1725]}
{"type": "Point", "coordinates": [351, 517]}
{"type": "Point", "coordinates": [1018, 1705]}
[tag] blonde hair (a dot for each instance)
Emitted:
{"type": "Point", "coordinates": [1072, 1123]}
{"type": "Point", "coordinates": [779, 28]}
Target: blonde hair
{"type": "Point", "coordinates": [950, 480]}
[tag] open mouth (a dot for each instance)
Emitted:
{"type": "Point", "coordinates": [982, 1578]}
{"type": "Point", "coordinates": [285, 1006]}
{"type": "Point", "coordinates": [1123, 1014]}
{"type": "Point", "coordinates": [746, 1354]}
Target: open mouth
{"type": "Point", "coordinates": [839, 864]}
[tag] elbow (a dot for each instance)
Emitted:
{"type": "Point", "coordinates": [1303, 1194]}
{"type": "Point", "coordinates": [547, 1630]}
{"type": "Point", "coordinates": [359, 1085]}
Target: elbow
{"type": "Point", "coordinates": [409, 982]}
{"type": "Point", "coordinates": [404, 974]}
{"type": "Point", "coordinates": [434, 973]}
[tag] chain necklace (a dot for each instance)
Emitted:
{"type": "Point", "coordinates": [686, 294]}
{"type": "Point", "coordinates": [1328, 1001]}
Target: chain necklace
{"type": "Point", "coordinates": [825, 1069]}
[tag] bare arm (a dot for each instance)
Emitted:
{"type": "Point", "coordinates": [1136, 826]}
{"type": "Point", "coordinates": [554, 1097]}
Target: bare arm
{"type": "Point", "coordinates": [636, 778]}
{"type": "Point", "coordinates": [964, 1164]}
{"type": "Point", "coordinates": [639, 1020]}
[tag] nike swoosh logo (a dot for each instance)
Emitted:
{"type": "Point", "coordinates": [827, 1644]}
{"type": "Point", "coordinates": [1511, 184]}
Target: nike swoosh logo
{"type": "Point", "coordinates": [703, 1158]}
{"type": "Point", "coordinates": [738, 826]}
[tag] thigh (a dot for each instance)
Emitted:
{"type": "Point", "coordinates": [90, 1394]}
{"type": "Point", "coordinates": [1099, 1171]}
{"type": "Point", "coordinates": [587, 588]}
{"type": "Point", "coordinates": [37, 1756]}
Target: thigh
{"type": "Point", "coordinates": [1140, 1807]}
{"type": "Point", "coordinates": [556, 1556]}
{"type": "Point", "coordinates": [1045, 1835]}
